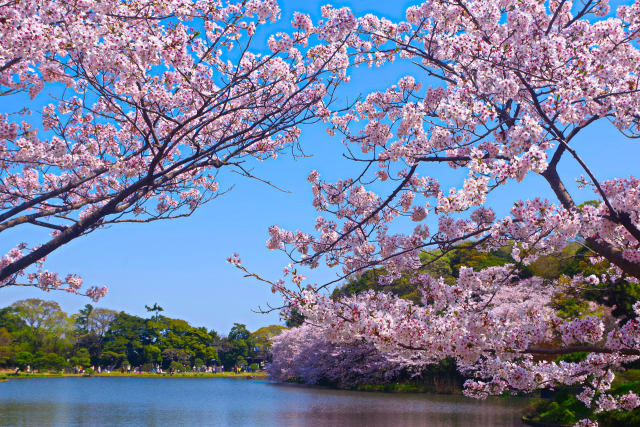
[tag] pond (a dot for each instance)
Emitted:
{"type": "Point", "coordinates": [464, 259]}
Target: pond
{"type": "Point", "coordinates": [233, 402]}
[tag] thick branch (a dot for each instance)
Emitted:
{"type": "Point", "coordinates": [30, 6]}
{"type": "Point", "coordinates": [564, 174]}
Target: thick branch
{"type": "Point", "coordinates": [606, 250]}
{"type": "Point", "coordinates": [65, 188]}
{"type": "Point", "coordinates": [70, 233]}
{"type": "Point", "coordinates": [10, 64]}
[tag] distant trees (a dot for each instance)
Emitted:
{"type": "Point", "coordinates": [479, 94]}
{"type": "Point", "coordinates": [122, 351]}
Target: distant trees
{"type": "Point", "coordinates": [47, 326]}
{"type": "Point", "coordinates": [263, 336]}
{"type": "Point", "coordinates": [238, 346]}
{"type": "Point", "coordinates": [35, 333]}
{"type": "Point", "coordinates": [172, 355]}
{"type": "Point", "coordinates": [158, 340]}
{"type": "Point", "coordinates": [90, 326]}
{"type": "Point", "coordinates": [39, 334]}
{"type": "Point", "coordinates": [243, 348]}
{"type": "Point", "coordinates": [154, 309]}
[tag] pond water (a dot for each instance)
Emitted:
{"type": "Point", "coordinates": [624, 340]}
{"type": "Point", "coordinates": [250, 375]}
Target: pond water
{"type": "Point", "coordinates": [233, 402]}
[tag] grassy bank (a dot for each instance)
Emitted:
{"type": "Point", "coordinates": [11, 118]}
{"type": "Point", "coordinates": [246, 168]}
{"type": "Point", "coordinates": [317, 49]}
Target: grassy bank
{"type": "Point", "coordinates": [428, 385]}
{"type": "Point", "coordinates": [440, 379]}
{"type": "Point", "coordinates": [403, 388]}
{"type": "Point", "coordinates": [242, 375]}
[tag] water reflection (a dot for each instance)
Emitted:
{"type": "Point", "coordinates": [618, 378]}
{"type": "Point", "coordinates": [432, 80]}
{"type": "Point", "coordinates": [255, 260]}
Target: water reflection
{"type": "Point", "coordinates": [228, 402]}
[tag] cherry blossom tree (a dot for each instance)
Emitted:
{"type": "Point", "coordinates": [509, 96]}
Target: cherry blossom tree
{"type": "Point", "coordinates": [305, 354]}
{"type": "Point", "coordinates": [134, 109]}
{"type": "Point", "coordinates": [502, 90]}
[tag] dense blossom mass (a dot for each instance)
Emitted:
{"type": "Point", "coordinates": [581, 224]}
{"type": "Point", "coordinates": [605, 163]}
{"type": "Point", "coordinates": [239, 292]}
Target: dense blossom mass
{"type": "Point", "coordinates": [305, 354]}
{"type": "Point", "coordinates": [502, 90]}
{"type": "Point", "coordinates": [134, 109]}
{"type": "Point", "coordinates": [128, 111]}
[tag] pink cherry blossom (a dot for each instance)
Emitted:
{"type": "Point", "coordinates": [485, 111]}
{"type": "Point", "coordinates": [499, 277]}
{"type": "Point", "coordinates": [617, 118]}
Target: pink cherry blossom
{"type": "Point", "coordinates": [500, 92]}
{"type": "Point", "coordinates": [160, 96]}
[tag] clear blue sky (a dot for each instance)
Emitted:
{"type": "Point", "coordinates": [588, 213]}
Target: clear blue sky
{"type": "Point", "coordinates": [181, 264]}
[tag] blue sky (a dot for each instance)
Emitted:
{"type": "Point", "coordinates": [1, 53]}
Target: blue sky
{"type": "Point", "coordinates": [181, 264]}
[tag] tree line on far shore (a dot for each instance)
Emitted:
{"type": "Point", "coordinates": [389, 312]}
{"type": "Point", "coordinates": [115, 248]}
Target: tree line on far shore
{"type": "Point", "coordinates": [38, 335]}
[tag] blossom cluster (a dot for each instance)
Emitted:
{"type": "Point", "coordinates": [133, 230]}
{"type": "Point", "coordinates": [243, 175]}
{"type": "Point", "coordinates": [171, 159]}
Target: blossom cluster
{"type": "Point", "coordinates": [158, 97]}
{"type": "Point", "coordinates": [501, 91]}
{"type": "Point", "coordinates": [304, 354]}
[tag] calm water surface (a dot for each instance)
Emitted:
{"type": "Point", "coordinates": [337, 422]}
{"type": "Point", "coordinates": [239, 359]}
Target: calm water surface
{"type": "Point", "coordinates": [231, 402]}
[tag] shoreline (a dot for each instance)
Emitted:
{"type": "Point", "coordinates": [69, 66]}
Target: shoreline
{"type": "Point", "coordinates": [5, 376]}
{"type": "Point", "coordinates": [397, 389]}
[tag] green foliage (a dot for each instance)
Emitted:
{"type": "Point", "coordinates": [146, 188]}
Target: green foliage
{"type": "Point", "coordinates": [478, 260]}
{"type": "Point", "coordinates": [574, 259]}
{"type": "Point", "coordinates": [152, 354]}
{"type": "Point", "coordinates": [369, 280]}
{"type": "Point", "coordinates": [565, 409]}
{"type": "Point", "coordinates": [51, 361]}
{"type": "Point", "coordinates": [146, 340]}
{"type": "Point", "coordinates": [126, 337]}
{"type": "Point", "coordinates": [39, 334]}
{"type": "Point", "coordinates": [567, 261]}
{"type": "Point", "coordinates": [569, 307]}
{"type": "Point", "coordinates": [557, 414]}
{"type": "Point", "coordinates": [262, 337]}
{"type": "Point", "coordinates": [239, 332]}
{"type": "Point", "coordinates": [176, 367]}
{"type": "Point", "coordinates": [628, 376]}
{"type": "Point", "coordinates": [576, 357]}
{"type": "Point", "coordinates": [82, 319]}
{"type": "Point", "coordinates": [171, 355]}
{"type": "Point", "coordinates": [11, 321]}
{"type": "Point", "coordinates": [111, 358]}
{"type": "Point", "coordinates": [241, 362]}
{"type": "Point", "coordinates": [90, 326]}
{"type": "Point", "coordinates": [6, 349]}
{"type": "Point", "coordinates": [81, 358]}
{"type": "Point", "coordinates": [155, 309]}
{"type": "Point", "coordinates": [234, 350]}
{"type": "Point", "coordinates": [436, 263]}
{"type": "Point", "coordinates": [23, 359]}
{"type": "Point", "coordinates": [623, 295]}
{"type": "Point", "coordinates": [295, 319]}
{"type": "Point", "coordinates": [571, 260]}
{"type": "Point", "coordinates": [44, 326]}
{"type": "Point", "coordinates": [6, 355]}
{"type": "Point", "coordinates": [243, 347]}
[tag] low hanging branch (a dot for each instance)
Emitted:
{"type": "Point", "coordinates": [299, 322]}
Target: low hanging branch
{"type": "Point", "coordinates": [159, 98]}
{"type": "Point", "coordinates": [514, 84]}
